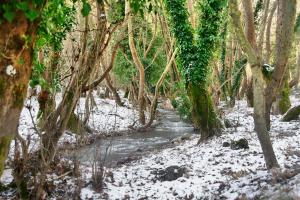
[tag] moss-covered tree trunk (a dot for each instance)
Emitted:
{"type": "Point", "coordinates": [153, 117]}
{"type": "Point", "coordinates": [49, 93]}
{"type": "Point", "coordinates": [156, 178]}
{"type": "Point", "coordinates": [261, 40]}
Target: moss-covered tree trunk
{"type": "Point", "coordinates": [4, 148]}
{"type": "Point", "coordinates": [286, 16]}
{"type": "Point", "coordinates": [203, 113]}
{"type": "Point", "coordinates": [15, 71]}
{"type": "Point", "coordinates": [16, 55]}
{"type": "Point", "coordinates": [283, 102]}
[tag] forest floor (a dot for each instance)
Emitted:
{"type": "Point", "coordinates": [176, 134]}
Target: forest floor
{"type": "Point", "coordinates": [215, 169]}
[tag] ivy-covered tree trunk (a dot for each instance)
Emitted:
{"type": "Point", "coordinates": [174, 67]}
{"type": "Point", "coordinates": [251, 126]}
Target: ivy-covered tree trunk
{"type": "Point", "coordinates": [194, 57]}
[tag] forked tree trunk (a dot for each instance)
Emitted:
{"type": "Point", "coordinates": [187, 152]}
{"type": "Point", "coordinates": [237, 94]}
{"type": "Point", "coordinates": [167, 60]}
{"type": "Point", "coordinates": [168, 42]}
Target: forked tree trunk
{"type": "Point", "coordinates": [113, 90]}
{"type": "Point", "coordinates": [259, 84]}
{"type": "Point", "coordinates": [157, 87]}
{"type": "Point", "coordinates": [137, 63]}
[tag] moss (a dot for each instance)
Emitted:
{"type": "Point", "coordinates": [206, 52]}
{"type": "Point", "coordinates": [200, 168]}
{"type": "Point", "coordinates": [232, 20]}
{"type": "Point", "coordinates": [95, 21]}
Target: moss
{"type": "Point", "coordinates": [4, 148]}
{"type": "Point", "coordinates": [18, 92]}
{"type": "Point", "coordinates": [284, 102]}
{"type": "Point", "coordinates": [203, 115]}
{"type": "Point", "coordinates": [24, 194]}
{"type": "Point", "coordinates": [75, 125]}
{"type": "Point", "coordinates": [2, 86]}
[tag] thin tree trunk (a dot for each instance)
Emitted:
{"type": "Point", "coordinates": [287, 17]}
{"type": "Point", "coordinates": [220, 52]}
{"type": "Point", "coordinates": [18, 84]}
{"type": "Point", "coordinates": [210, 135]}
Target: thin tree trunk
{"type": "Point", "coordinates": [268, 32]}
{"type": "Point", "coordinates": [295, 80]}
{"type": "Point", "coordinates": [261, 126]}
{"type": "Point", "coordinates": [137, 63]}
{"type": "Point", "coordinates": [286, 16]}
{"type": "Point", "coordinates": [113, 91]}
{"type": "Point", "coordinates": [263, 26]}
{"type": "Point", "coordinates": [157, 87]}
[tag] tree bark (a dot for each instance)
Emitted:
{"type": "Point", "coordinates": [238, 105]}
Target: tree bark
{"type": "Point", "coordinates": [295, 80]}
{"type": "Point", "coordinates": [261, 126]}
{"type": "Point", "coordinates": [15, 70]}
{"type": "Point", "coordinates": [16, 56]}
{"type": "Point", "coordinates": [137, 63]}
{"type": "Point", "coordinates": [268, 32]}
{"type": "Point", "coordinates": [286, 16]}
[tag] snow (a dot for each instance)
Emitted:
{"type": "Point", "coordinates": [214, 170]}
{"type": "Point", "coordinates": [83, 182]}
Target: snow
{"type": "Point", "coordinates": [6, 177]}
{"type": "Point", "coordinates": [106, 116]}
{"type": "Point", "coordinates": [213, 171]}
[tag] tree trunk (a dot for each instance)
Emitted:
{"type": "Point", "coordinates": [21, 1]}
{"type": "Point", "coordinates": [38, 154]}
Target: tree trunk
{"type": "Point", "coordinates": [137, 63]}
{"type": "Point", "coordinates": [268, 32]}
{"type": "Point", "coordinates": [261, 125]}
{"type": "Point", "coordinates": [203, 114]}
{"type": "Point", "coordinates": [46, 98]}
{"type": "Point", "coordinates": [295, 80]}
{"type": "Point", "coordinates": [4, 149]}
{"type": "Point", "coordinates": [15, 70]}
{"type": "Point", "coordinates": [157, 87]}
{"type": "Point", "coordinates": [283, 102]}
{"type": "Point", "coordinates": [261, 110]}
{"type": "Point", "coordinates": [286, 16]}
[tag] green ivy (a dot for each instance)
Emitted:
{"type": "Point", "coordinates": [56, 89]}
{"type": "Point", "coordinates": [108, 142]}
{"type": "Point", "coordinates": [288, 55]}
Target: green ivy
{"type": "Point", "coordinates": [57, 19]}
{"type": "Point", "coordinates": [32, 9]}
{"type": "Point", "coordinates": [196, 52]}
{"type": "Point", "coordinates": [124, 68]}
{"type": "Point", "coordinates": [297, 24]}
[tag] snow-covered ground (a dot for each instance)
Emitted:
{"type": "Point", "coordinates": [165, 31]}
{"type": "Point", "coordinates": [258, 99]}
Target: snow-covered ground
{"type": "Point", "coordinates": [106, 116]}
{"type": "Point", "coordinates": [211, 171]}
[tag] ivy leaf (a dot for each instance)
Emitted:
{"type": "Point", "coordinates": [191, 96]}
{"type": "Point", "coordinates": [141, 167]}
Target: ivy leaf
{"type": "Point", "coordinates": [86, 8]}
{"type": "Point", "coordinates": [38, 2]}
{"type": "Point", "coordinates": [31, 15]}
{"type": "Point", "coordinates": [9, 15]}
{"type": "Point", "coordinates": [22, 6]}
{"type": "Point", "coordinates": [41, 42]}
